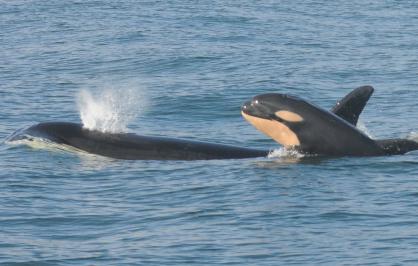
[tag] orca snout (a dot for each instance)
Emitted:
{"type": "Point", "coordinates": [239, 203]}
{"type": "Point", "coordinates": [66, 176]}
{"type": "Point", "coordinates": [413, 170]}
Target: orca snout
{"type": "Point", "coordinates": [246, 106]}
{"type": "Point", "coordinates": [275, 106]}
{"type": "Point", "coordinates": [256, 108]}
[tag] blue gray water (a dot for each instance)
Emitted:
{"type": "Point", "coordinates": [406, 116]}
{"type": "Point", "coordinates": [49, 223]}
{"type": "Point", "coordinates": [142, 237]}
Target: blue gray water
{"type": "Point", "coordinates": [195, 63]}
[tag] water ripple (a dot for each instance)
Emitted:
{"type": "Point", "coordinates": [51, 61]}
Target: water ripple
{"type": "Point", "coordinates": [197, 62]}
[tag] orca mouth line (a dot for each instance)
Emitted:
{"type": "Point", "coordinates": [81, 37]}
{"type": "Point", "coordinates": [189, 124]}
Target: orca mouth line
{"type": "Point", "coordinates": [251, 108]}
{"type": "Point", "coordinates": [255, 109]}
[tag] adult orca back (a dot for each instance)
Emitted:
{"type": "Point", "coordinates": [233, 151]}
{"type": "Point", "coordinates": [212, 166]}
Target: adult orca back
{"type": "Point", "coordinates": [136, 147]}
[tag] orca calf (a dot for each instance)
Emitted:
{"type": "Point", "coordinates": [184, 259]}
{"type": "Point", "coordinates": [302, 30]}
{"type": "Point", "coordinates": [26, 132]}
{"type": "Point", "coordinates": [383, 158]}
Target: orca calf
{"type": "Point", "coordinates": [309, 129]}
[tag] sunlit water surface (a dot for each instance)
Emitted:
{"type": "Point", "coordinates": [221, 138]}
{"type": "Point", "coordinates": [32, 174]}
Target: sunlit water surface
{"type": "Point", "coordinates": [182, 69]}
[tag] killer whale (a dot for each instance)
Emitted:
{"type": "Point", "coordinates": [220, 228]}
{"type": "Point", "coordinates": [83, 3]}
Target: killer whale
{"type": "Point", "coordinates": [132, 146]}
{"type": "Point", "coordinates": [302, 126]}
{"type": "Point", "coordinates": [308, 138]}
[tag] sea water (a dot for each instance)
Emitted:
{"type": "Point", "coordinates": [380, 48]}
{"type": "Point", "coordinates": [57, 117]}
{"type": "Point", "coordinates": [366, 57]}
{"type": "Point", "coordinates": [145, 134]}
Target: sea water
{"type": "Point", "coordinates": [183, 69]}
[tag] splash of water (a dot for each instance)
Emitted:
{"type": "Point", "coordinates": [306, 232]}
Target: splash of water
{"type": "Point", "coordinates": [413, 136]}
{"type": "Point", "coordinates": [285, 153]}
{"type": "Point", "coordinates": [362, 127]}
{"type": "Point", "coordinates": [110, 110]}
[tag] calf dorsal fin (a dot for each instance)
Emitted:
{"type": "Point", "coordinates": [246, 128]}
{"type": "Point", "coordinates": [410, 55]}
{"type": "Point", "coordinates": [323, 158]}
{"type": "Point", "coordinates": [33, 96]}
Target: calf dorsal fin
{"type": "Point", "coordinates": [350, 107]}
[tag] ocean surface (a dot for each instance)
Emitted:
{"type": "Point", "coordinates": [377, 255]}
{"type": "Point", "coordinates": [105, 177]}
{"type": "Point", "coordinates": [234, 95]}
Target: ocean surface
{"type": "Point", "coordinates": [183, 69]}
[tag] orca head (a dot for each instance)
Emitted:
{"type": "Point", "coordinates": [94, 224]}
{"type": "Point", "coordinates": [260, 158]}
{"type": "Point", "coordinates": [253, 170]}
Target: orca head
{"type": "Point", "coordinates": [296, 123]}
{"type": "Point", "coordinates": [277, 116]}
{"type": "Point", "coordinates": [59, 132]}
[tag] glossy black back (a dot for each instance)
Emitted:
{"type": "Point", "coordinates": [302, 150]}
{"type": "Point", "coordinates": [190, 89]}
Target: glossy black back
{"type": "Point", "coordinates": [136, 147]}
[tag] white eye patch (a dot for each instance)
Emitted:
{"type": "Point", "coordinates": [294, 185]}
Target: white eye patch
{"type": "Point", "coordinates": [289, 116]}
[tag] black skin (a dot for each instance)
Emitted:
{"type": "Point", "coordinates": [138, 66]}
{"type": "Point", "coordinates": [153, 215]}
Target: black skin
{"type": "Point", "coordinates": [326, 133]}
{"type": "Point", "coordinates": [136, 147]}
{"type": "Point", "coordinates": [341, 137]}
{"type": "Point", "coordinates": [350, 107]}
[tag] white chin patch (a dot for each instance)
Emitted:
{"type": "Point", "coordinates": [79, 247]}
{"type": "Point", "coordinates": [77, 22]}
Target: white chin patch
{"type": "Point", "coordinates": [274, 129]}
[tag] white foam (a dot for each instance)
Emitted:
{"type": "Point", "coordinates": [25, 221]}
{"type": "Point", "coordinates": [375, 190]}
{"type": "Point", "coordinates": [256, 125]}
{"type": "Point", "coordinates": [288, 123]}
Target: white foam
{"type": "Point", "coordinates": [362, 127]}
{"type": "Point", "coordinates": [110, 110]}
{"type": "Point", "coordinates": [285, 153]}
{"type": "Point", "coordinates": [413, 136]}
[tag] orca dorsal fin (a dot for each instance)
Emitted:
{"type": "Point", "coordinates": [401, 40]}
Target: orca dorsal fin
{"type": "Point", "coordinates": [350, 107]}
